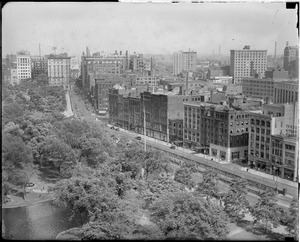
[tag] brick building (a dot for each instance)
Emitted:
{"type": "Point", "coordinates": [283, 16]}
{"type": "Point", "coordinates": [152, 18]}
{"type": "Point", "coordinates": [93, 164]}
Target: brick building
{"type": "Point", "coordinates": [222, 130]}
{"type": "Point", "coordinates": [270, 132]}
{"type": "Point", "coordinates": [126, 109]}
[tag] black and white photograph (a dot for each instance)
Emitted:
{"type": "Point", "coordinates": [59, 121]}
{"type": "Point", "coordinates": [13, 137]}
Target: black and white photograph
{"type": "Point", "coordinates": [150, 120]}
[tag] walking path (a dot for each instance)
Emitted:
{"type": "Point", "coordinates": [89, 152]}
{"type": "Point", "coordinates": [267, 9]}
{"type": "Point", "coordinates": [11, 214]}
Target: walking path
{"type": "Point", "coordinates": [36, 194]}
{"type": "Point", "coordinates": [68, 112]}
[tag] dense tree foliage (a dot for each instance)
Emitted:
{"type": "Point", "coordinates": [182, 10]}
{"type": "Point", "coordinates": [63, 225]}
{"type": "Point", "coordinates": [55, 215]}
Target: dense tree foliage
{"type": "Point", "coordinates": [185, 216]}
{"type": "Point", "coordinates": [266, 210]}
{"type": "Point", "coordinates": [235, 201]}
{"type": "Point", "coordinates": [208, 187]}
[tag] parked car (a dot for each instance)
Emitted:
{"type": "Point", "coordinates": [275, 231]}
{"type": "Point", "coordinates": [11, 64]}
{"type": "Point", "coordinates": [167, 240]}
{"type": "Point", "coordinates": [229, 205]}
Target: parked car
{"type": "Point", "coordinates": [138, 138]}
{"type": "Point", "coordinates": [172, 147]}
{"type": "Point", "coordinates": [112, 127]}
{"type": "Point", "coordinates": [117, 129]}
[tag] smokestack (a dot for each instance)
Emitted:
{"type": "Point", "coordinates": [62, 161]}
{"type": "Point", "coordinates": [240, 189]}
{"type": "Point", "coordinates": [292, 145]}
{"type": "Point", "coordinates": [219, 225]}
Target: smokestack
{"type": "Point", "coordinates": [219, 50]}
{"type": "Point", "coordinates": [40, 49]}
{"type": "Point", "coordinates": [287, 44]}
{"type": "Point", "coordinates": [275, 49]}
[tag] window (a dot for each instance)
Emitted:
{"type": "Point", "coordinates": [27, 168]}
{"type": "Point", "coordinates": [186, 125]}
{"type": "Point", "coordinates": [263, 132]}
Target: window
{"type": "Point", "coordinates": [235, 155]}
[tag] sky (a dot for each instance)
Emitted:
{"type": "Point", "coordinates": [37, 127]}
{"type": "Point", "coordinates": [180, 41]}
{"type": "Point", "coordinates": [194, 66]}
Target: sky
{"type": "Point", "coordinates": [148, 28]}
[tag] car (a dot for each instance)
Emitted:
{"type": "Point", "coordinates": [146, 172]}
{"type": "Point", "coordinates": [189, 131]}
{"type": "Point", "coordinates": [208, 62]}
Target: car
{"type": "Point", "coordinates": [172, 147]}
{"type": "Point", "coordinates": [138, 138]}
{"type": "Point", "coordinates": [117, 129]}
{"type": "Point", "coordinates": [112, 127]}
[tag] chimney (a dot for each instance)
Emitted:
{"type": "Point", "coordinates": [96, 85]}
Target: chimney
{"type": "Point", "coordinates": [287, 44]}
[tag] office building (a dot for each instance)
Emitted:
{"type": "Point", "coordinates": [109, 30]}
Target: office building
{"type": "Point", "coordinates": [247, 63]}
{"type": "Point", "coordinates": [59, 70]}
{"type": "Point", "coordinates": [23, 65]}
{"type": "Point", "coordinates": [184, 62]}
{"type": "Point", "coordinates": [286, 91]}
{"type": "Point", "coordinates": [272, 140]}
{"type": "Point", "coordinates": [221, 130]}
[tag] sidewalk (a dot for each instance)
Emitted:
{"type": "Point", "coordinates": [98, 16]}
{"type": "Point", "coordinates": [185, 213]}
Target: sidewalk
{"type": "Point", "coordinates": [207, 157]}
{"type": "Point", "coordinates": [68, 112]}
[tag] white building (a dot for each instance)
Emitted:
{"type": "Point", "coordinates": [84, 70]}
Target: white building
{"type": "Point", "coordinates": [184, 61]}
{"type": "Point", "coordinates": [247, 63]}
{"type": "Point", "coordinates": [23, 65]}
{"type": "Point", "coordinates": [59, 70]}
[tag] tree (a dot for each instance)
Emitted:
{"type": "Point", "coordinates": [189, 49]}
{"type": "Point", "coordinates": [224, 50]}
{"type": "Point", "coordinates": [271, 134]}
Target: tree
{"type": "Point", "coordinates": [235, 201]}
{"type": "Point", "coordinates": [184, 176]}
{"type": "Point", "coordinates": [57, 155]}
{"type": "Point", "coordinates": [184, 216]}
{"type": "Point", "coordinates": [208, 187]}
{"type": "Point", "coordinates": [265, 210]}
{"type": "Point", "coordinates": [292, 222]}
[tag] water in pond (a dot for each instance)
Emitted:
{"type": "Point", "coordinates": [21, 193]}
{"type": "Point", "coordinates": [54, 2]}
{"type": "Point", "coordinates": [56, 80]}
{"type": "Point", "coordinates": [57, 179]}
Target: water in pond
{"type": "Point", "coordinates": [43, 221]}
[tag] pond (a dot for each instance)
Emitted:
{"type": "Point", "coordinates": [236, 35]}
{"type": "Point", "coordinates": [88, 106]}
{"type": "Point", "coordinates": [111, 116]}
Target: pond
{"type": "Point", "coordinates": [42, 221]}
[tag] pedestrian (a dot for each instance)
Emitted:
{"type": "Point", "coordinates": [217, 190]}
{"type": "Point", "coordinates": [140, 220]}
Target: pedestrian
{"type": "Point", "coordinates": [11, 235]}
{"type": "Point", "coordinates": [247, 169]}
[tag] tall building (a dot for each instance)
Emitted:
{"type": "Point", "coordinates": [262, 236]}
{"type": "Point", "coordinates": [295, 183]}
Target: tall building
{"type": "Point", "coordinates": [221, 130]}
{"type": "Point", "coordinates": [184, 62]}
{"type": "Point", "coordinates": [23, 65]}
{"type": "Point", "coordinates": [247, 63]}
{"type": "Point", "coordinates": [59, 70]}
{"type": "Point", "coordinates": [291, 60]}
{"type": "Point", "coordinates": [101, 65]}
{"type": "Point", "coordinates": [286, 91]}
{"type": "Point", "coordinates": [39, 66]}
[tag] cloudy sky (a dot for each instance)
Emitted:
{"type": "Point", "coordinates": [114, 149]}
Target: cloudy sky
{"type": "Point", "coordinates": [150, 28]}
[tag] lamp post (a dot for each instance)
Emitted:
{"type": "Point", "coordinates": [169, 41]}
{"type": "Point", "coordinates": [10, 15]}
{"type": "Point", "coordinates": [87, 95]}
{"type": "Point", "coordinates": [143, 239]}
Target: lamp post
{"type": "Point", "coordinates": [145, 146]}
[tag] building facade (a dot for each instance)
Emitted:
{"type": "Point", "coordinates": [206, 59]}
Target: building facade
{"type": "Point", "coordinates": [247, 63]}
{"type": "Point", "coordinates": [39, 66]}
{"type": "Point", "coordinates": [258, 88]}
{"type": "Point", "coordinates": [291, 60]}
{"type": "Point", "coordinates": [184, 62]}
{"type": "Point", "coordinates": [100, 65]}
{"type": "Point", "coordinates": [59, 70]}
{"type": "Point", "coordinates": [23, 65]}
{"type": "Point", "coordinates": [272, 141]}
{"type": "Point", "coordinates": [286, 91]}
{"type": "Point", "coordinates": [221, 130]}
{"type": "Point", "coordinates": [150, 81]}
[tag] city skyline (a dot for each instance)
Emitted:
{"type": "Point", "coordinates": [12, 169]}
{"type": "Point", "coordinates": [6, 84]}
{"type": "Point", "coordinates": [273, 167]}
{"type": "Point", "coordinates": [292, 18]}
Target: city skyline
{"type": "Point", "coordinates": [146, 28]}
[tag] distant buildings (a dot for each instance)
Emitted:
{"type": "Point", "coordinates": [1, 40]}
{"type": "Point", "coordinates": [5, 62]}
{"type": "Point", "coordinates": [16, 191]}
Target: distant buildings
{"type": "Point", "coordinates": [286, 91]}
{"type": "Point", "coordinates": [23, 65]}
{"type": "Point", "coordinates": [291, 60]}
{"type": "Point", "coordinates": [258, 88]}
{"type": "Point", "coordinates": [59, 70]}
{"type": "Point", "coordinates": [247, 63]}
{"type": "Point", "coordinates": [184, 62]}
{"type": "Point", "coordinates": [277, 74]}
{"type": "Point", "coordinates": [100, 64]}
{"type": "Point", "coordinates": [39, 66]}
